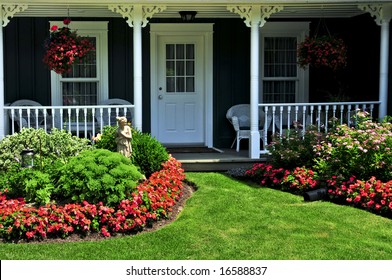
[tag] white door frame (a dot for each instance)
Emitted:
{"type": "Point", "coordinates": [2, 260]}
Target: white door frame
{"type": "Point", "coordinates": [197, 29]}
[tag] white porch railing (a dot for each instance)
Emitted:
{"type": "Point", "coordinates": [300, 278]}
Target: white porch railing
{"type": "Point", "coordinates": [303, 115]}
{"type": "Point", "coordinates": [82, 121]}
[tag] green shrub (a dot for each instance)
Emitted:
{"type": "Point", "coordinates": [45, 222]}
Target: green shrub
{"type": "Point", "coordinates": [97, 176]}
{"type": "Point", "coordinates": [107, 140]}
{"type": "Point", "coordinates": [34, 185]}
{"type": "Point", "coordinates": [147, 153]}
{"type": "Point", "coordinates": [363, 151]}
{"type": "Point", "coordinates": [294, 149]}
{"type": "Point", "coordinates": [59, 145]}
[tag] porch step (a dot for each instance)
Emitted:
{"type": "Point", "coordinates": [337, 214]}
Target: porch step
{"type": "Point", "coordinates": [219, 162]}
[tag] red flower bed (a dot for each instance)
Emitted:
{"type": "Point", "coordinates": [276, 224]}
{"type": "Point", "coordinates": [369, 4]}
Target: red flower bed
{"type": "Point", "coordinates": [373, 195]}
{"type": "Point", "coordinates": [152, 200]}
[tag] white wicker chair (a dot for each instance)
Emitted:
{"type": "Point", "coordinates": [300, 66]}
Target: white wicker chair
{"type": "Point", "coordinates": [239, 117]}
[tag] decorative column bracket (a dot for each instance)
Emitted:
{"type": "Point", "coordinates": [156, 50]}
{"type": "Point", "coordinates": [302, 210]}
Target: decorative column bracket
{"type": "Point", "coordinates": [130, 12]}
{"type": "Point", "coordinates": [378, 12]}
{"type": "Point", "coordinates": [9, 11]}
{"type": "Point", "coordinates": [255, 12]}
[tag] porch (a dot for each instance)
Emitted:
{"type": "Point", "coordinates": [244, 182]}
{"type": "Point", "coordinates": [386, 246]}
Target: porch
{"type": "Point", "coordinates": [88, 121]}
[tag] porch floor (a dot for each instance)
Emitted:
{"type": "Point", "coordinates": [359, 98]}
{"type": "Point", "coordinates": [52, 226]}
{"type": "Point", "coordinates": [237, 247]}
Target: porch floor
{"type": "Point", "coordinates": [221, 161]}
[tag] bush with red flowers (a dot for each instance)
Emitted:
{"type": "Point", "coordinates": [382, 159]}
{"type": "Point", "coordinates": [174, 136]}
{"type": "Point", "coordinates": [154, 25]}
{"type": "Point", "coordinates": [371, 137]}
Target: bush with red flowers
{"type": "Point", "coordinates": [65, 47]}
{"type": "Point", "coordinates": [322, 51]}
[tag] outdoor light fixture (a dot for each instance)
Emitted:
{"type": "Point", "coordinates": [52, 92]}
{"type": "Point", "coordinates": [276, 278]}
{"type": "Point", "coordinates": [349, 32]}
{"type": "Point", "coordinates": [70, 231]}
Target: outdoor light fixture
{"type": "Point", "coordinates": [315, 194]}
{"type": "Point", "coordinates": [27, 158]}
{"type": "Point", "coordinates": [188, 16]}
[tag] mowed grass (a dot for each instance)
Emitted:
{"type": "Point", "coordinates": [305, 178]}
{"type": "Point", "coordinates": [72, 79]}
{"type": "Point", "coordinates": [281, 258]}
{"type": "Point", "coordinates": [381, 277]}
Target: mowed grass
{"type": "Point", "coordinates": [229, 219]}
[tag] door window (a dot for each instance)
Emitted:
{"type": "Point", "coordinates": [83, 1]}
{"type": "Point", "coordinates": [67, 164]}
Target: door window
{"type": "Point", "coordinates": [180, 68]}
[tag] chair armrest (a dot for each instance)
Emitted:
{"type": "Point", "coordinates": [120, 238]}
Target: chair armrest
{"type": "Point", "coordinates": [236, 125]}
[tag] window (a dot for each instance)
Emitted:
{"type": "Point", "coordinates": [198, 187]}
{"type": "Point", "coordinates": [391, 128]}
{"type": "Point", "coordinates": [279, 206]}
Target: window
{"type": "Point", "coordinates": [282, 81]}
{"type": "Point", "coordinates": [180, 68]}
{"type": "Point", "coordinates": [87, 83]}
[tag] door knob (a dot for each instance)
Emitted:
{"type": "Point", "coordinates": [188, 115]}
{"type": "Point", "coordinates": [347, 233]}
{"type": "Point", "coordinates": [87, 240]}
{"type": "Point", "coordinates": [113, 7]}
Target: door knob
{"type": "Point", "coordinates": [160, 96]}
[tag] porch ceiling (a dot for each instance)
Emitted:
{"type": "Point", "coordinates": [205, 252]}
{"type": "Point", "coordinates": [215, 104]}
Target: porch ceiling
{"type": "Point", "coordinates": [203, 11]}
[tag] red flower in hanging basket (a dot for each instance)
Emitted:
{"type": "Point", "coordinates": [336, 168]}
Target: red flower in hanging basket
{"type": "Point", "coordinates": [64, 47]}
{"type": "Point", "coordinates": [323, 51]}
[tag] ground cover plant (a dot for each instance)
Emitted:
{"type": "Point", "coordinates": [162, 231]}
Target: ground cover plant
{"type": "Point", "coordinates": [353, 163]}
{"type": "Point", "coordinates": [230, 219]}
{"type": "Point", "coordinates": [89, 191]}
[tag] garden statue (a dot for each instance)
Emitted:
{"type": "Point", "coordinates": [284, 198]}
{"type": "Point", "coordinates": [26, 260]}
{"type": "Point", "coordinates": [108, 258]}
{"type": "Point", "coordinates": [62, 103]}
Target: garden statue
{"type": "Point", "coordinates": [123, 137]}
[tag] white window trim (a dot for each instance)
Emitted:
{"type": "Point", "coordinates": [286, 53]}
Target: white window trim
{"type": "Point", "coordinates": [97, 29]}
{"type": "Point", "coordinates": [286, 29]}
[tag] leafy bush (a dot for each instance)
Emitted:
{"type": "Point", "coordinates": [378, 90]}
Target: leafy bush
{"type": "Point", "coordinates": [107, 140]}
{"type": "Point", "coordinates": [34, 185]}
{"type": "Point", "coordinates": [98, 176]}
{"type": "Point", "coordinates": [363, 152]}
{"type": "Point", "coordinates": [148, 154]}
{"type": "Point", "coordinates": [59, 145]}
{"type": "Point", "coordinates": [294, 149]}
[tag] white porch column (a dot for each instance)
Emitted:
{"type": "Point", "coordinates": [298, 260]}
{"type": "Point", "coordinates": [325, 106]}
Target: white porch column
{"type": "Point", "coordinates": [254, 17]}
{"type": "Point", "coordinates": [137, 17]}
{"type": "Point", "coordinates": [382, 15]}
{"type": "Point", "coordinates": [6, 12]}
{"type": "Point", "coordinates": [2, 118]}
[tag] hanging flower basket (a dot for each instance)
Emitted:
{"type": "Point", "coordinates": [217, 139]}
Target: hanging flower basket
{"type": "Point", "coordinates": [323, 51]}
{"type": "Point", "coordinates": [65, 47]}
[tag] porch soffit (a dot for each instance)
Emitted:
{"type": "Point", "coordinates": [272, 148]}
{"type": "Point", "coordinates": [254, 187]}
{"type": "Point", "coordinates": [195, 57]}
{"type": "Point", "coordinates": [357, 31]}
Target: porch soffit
{"type": "Point", "coordinates": [205, 9]}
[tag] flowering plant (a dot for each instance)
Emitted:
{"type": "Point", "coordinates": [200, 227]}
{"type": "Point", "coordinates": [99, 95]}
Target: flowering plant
{"type": "Point", "coordinates": [65, 47]}
{"type": "Point", "coordinates": [322, 51]}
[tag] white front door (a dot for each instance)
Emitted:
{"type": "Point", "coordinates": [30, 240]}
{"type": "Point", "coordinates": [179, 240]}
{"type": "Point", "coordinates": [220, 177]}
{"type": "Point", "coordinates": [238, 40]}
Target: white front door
{"type": "Point", "coordinates": [180, 90]}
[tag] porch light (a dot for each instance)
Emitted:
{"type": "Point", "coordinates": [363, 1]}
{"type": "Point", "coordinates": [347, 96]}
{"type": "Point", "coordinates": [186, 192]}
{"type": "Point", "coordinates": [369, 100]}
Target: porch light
{"type": "Point", "coordinates": [27, 158]}
{"type": "Point", "coordinates": [188, 16]}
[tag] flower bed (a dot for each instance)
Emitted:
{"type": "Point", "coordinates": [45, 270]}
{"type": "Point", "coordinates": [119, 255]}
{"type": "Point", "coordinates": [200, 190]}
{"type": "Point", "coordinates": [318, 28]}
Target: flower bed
{"type": "Point", "coordinates": [372, 195]}
{"type": "Point", "coordinates": [152, 200]}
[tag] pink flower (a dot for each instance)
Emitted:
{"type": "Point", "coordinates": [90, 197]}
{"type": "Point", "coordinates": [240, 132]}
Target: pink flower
{"type": "Point", "coordinates": [54, 28]}
{"type": "Point", "coordinates": [67, 21]}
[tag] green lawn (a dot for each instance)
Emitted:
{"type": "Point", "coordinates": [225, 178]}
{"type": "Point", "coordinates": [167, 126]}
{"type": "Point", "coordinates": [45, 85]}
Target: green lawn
{"type": "Point", "coordinates": [228, 219]}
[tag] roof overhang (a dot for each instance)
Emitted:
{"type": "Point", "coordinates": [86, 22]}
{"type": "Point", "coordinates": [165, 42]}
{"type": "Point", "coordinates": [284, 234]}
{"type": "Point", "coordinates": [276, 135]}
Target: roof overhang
{"type": "Point", "coordinates": [204, 8]}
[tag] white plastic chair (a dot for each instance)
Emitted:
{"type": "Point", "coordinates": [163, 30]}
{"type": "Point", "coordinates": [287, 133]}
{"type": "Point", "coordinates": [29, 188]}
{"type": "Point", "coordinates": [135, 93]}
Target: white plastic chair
{"type": "Point", "coordinates": [105, 119]}
{"type": "Point", "coordinates": [239, 117]}
{"type": "Point", "coordinates": [30, 117]}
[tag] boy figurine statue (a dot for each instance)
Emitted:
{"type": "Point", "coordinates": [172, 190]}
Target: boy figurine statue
{"type": "Point", "coordinates": [123, 137]}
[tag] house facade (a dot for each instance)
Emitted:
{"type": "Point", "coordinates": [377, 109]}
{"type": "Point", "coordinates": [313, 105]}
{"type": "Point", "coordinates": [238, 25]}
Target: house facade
{"type": "Point", "coordinates": [183, 75]}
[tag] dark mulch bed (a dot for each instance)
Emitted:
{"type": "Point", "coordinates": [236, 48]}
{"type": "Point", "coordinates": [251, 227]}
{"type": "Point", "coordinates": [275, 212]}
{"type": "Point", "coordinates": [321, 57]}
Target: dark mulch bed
{"type": "Point", "coordinates": [187, 192]}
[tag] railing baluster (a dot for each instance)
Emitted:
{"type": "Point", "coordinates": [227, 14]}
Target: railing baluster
{"type": "Point", "coordinates": [326, 117]}
{"type": "Point", "coordinates": [319, 118]}
{"type": "Point", "coordinates": [13, 121]}
{"type": "Point", "coordinates": [85, 122]}
{"type": "Point", "coordinates": [273, 120]}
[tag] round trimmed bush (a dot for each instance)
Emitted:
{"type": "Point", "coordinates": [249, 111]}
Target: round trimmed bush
{"type": "Point", "coordinates": [148, 153]}
{"type": "Point", "coordinates": [97, 176]}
